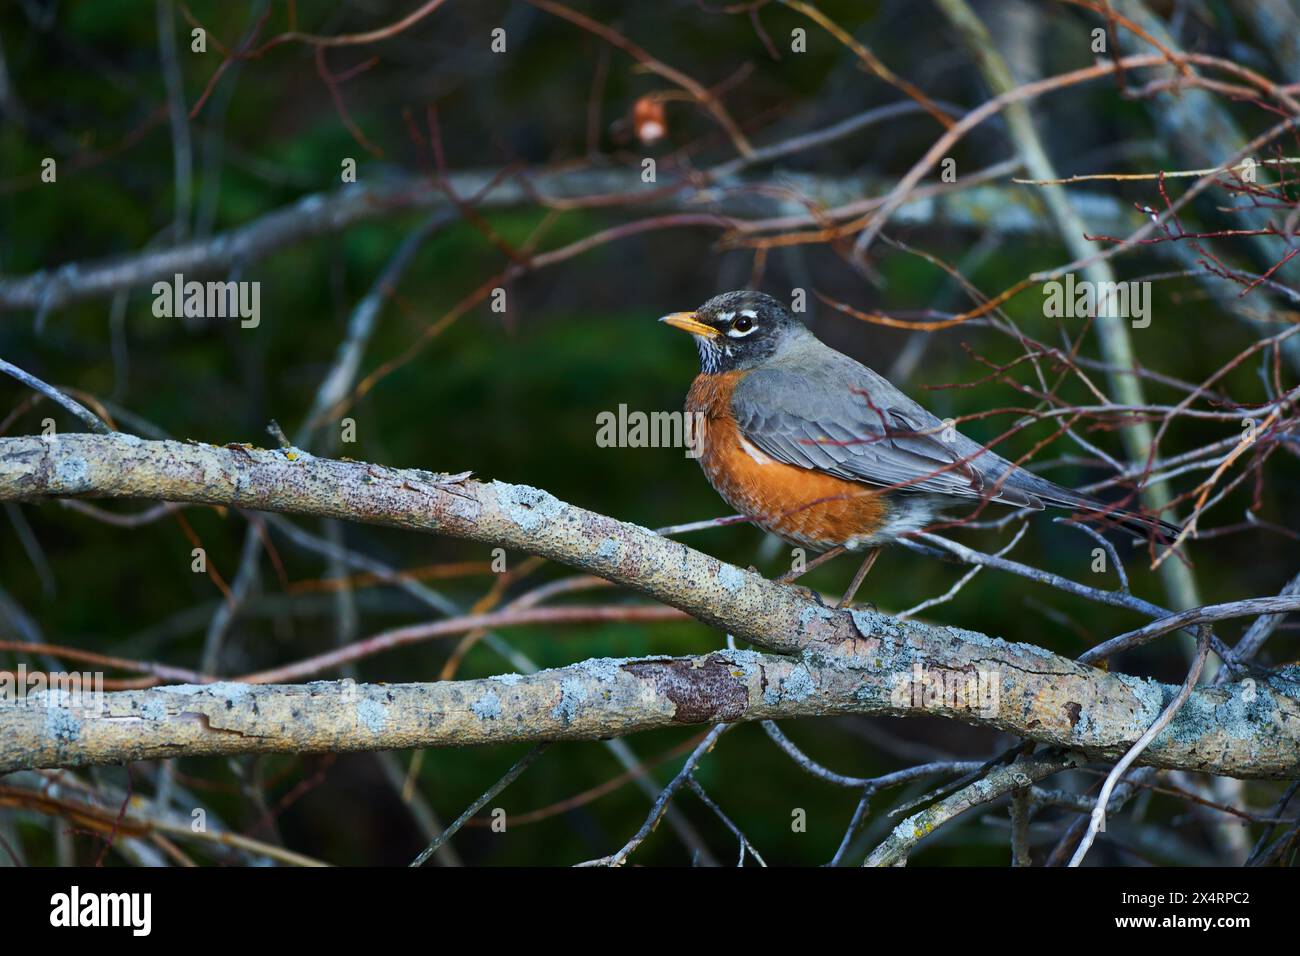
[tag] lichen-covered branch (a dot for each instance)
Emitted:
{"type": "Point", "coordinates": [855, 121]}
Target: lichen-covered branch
{"type": "Point", "coordinates": [1037, 695]}
{"type": "Point", "coordinates": [844, 662]}
{"type": "Point", "coordinates": [1001, 780]}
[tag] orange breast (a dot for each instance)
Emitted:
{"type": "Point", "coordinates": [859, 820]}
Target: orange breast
{"type": "Point", "coordinates": [805, 507]}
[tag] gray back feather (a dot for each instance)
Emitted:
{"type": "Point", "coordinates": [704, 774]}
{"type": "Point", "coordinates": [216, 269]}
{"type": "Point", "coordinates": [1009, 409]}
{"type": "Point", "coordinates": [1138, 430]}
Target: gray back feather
{"type": "Point", "coordinates": [821, 409]}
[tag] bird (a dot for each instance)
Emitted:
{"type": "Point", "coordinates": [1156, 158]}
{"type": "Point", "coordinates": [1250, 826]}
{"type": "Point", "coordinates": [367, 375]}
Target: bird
{"type": "Point", "coordinates": [818, 449]}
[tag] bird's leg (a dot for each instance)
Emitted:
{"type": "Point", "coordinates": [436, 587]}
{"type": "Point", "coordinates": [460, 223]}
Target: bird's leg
{"type": "Point", "coordinates": [789, 576]}
{"type": "Point", "coordinates": [856, 583]}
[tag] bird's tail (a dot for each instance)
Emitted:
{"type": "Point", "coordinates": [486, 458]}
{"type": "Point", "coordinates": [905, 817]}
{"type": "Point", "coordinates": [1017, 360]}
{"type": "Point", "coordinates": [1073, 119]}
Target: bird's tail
{"type": "Point", "coordinates": [1050, 493]}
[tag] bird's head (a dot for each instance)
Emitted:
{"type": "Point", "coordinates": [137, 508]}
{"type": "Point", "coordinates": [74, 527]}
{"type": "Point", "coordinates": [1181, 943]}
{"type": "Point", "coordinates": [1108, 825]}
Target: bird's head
{"type": "Point", "coordinates": [737, 331]}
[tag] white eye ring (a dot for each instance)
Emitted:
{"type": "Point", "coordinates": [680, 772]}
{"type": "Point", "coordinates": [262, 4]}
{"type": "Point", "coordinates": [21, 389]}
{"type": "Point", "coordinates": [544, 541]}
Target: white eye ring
{"type": "Point", "coordinates": [735, 333]}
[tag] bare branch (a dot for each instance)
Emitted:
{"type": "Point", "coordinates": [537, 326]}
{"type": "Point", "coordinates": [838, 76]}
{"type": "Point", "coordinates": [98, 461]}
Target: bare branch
{"type": "Point", "coordinates": [1000, 781]}
{"type": "Point", "coordinates": [984, 207]}
{"type": "Point", "coordinates": [82, 413]}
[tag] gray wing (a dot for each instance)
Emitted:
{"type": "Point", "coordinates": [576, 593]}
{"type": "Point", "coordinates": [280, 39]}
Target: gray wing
{"type": "Point", "coordinates": [838, 416]}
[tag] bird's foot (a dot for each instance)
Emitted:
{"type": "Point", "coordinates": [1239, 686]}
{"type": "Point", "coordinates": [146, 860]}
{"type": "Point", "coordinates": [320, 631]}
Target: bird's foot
{"type": "Point", "coordinates": [865, 606]}
{"type": "Point", "coordinates": [808, 593]}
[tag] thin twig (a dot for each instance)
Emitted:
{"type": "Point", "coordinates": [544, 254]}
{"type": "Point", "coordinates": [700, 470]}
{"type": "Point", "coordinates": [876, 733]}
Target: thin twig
{"type": "Point", "coordinates": [89, 418]}
{"type": "Point", "coordinates": [510, 777]}
{"type": "Point", "coordinates": [1098, 821]}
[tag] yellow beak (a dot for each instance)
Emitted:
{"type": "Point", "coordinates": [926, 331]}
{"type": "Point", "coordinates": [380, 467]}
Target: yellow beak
{"type": "Point", "coordinates": [687, 322]}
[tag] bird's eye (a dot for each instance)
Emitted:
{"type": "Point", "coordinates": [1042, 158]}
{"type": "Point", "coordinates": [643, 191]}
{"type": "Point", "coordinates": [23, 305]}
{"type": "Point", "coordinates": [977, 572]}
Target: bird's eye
{"type": "Point", "coordinates": [742, 325]}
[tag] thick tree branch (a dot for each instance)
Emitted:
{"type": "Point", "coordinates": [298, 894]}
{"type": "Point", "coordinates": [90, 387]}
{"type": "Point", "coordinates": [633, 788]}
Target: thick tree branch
{"type": "Point", "coordinates": [1039, 694]}
{"type": "Point", "coordinates": [848, 662]}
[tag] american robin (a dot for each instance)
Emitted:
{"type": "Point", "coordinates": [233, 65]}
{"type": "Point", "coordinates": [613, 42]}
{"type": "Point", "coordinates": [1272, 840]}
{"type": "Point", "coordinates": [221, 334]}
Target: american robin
{"type": "Point", "coordinates": [825, 453]}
